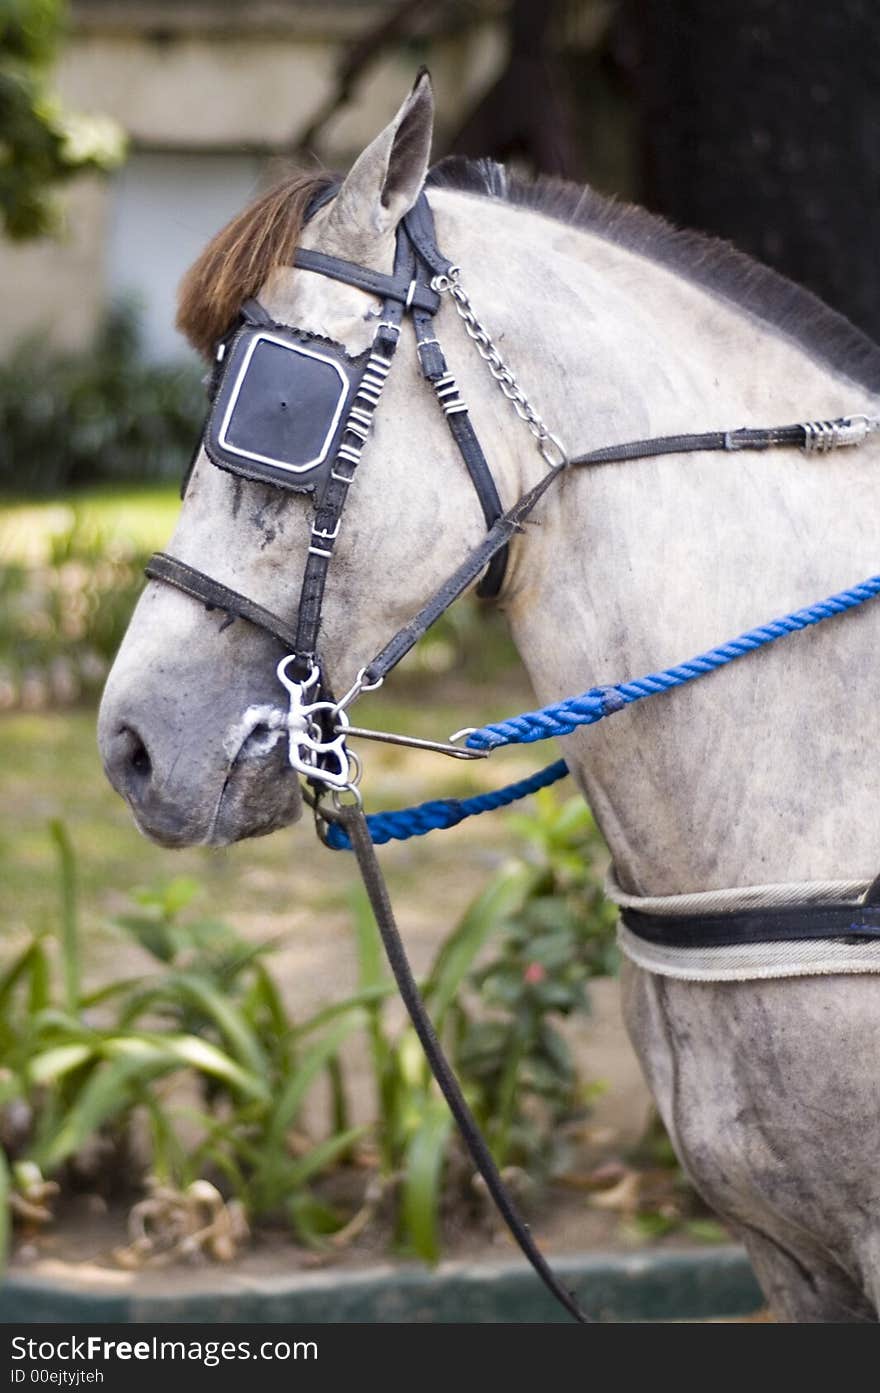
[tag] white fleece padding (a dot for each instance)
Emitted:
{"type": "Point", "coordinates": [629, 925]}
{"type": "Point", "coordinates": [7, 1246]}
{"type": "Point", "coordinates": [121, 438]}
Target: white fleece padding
{"type": "Point", "coordinates": [746, 962]}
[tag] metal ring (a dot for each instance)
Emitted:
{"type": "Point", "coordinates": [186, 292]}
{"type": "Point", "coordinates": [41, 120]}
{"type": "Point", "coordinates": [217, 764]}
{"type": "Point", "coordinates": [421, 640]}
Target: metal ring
{"type": "Point", "coordinates": [552, 450]}
{"type": "Point", "coordinates": [281, 673]}
{"type": "Point", "coordinates": [336, 795]}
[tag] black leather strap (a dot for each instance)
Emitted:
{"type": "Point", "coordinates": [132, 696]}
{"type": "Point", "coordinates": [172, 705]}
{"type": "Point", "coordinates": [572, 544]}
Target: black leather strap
{"type": "Point", "coordinates": [511, 522]}
{"type": "Point", "coordinates": [791, 924]}
{"type": "Point", "coordinates": [355, 824]}
{"type": "Point", "coordinates": [419, 226]}
{"type": "Point", "coordinates": [691, 444]}
{"type": "Point", "coordinates": [398, 288]}
{"type": "Point", "coordinates": [330, 505]}
{"type": "Point", "coordinates": [213, 595]}
{"type": "Point", "coordinates": [498, 536]}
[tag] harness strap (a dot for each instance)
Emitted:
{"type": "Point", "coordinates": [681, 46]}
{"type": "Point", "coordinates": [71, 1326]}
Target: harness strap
{"type": "Point", "coordinates": [497, 537]}
{"type": "Point", "coordinates": [794, 923]}
{"type": "Point", "coordinates": [328, 512]}
{"type": "Point", "coordinates": [213, 595]}
{"type": "Point", "coordinates": [354, 824]}
{"type": "Point", "coordinates": [419, 227]}
{"type": "Point", "coordinates": [401, 289]}
{"type": "Point", "coordinates": [409, 289]}
{"type": "Point", "coordinates": [511, 522]}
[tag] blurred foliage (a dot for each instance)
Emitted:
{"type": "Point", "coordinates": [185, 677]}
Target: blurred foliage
{"type": "Point", "coordinates": [193, 1073]}
{"type": "Point", "coordinates": [73, 418]}
{"type": "Point", "coordinates": [41, 146]}
{"type": "Point", "coordinates": [558, 936]}
{"type": "Point", "coordinates": [62, 618]}
{"type": "Point", "coordinates": [73, 576]}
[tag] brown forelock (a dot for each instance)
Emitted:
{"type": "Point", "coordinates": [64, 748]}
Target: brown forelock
{"type": "Point", "coordinates": [242, 256]}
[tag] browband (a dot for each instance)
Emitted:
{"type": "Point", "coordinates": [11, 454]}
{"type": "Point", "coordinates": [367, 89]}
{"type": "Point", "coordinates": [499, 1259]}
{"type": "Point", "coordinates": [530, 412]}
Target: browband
{"type": "Point", "coordinates": [409, 292]}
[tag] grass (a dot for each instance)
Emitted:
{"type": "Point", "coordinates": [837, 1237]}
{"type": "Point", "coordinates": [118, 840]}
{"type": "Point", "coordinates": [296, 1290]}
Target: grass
{"type": "Point", "coordinates": [51, 770]}
{"type": "Point", "coordinates": [142, 515]}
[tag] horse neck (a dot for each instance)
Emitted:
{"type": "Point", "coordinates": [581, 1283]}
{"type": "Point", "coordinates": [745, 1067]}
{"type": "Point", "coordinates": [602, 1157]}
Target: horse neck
{"type": "Point", "coordinates": [758, 773]}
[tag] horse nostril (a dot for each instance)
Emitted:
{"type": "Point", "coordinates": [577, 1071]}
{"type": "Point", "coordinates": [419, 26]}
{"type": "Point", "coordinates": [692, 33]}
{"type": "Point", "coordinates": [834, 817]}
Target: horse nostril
{"type": "Point", "coordinates": [136, 756]}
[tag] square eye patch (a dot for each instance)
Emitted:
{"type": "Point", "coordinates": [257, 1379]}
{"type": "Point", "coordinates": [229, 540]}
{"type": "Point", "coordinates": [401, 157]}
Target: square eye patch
{"type": "Point", "coordinates": [281, 407]}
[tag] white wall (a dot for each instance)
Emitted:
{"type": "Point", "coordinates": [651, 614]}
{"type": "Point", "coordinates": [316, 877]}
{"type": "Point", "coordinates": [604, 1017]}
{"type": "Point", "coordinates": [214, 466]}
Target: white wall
{"type": "Point", "coordinates": [162, 210]}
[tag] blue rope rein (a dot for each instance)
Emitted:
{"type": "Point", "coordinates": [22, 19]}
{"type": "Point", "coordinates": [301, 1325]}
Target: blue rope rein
{"type": "Point", "coordinates": [441, 813]}
{"type": "Point", "coordinates": [563, 717]}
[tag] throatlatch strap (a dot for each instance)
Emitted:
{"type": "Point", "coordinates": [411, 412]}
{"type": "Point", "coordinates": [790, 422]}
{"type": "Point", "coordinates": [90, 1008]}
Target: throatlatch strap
{"type": "Point", "coordinates": [355, 824]}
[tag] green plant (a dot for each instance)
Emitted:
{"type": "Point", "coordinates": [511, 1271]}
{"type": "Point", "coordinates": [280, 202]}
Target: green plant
{"type": "Point", "coordinates": [71, 418]}
{"type": "Point", "coordinates": [552, 942]}
{"type": "Point", "coordinates": [554, 931]}
{"type": "Point", "coordinates": [200, 1058]}
{"type": "Point", "coordinates": [42, 146]}
{"type": "Point", "coordinates": [62, 620]}
{"type": "Point", "coordinates": [79, 1068]}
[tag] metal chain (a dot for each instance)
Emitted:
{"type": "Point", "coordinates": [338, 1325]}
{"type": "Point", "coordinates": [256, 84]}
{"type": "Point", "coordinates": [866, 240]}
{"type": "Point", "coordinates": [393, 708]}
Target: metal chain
{"type": "Point", "coordinates": [549, 445]}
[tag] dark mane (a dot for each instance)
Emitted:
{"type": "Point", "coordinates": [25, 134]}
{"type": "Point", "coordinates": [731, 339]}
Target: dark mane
{"type": "Point", "coordinates": [720, 268]}
{"type": "Point", "coordinates": [241, 257]}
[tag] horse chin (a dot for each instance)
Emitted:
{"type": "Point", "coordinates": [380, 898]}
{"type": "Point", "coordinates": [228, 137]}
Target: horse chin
{"type": "Point", "coordinates": [258, 797]}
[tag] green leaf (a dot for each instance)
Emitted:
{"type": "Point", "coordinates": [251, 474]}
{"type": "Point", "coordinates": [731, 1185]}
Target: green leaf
{"type": "Point", "coordinates": [154, 935]}
{"type": "Point", "coordinates": [5, 1186]}
{"type": "Point", "coordinates": [106, 1093]}
{"type": "Point", "coordinates": [457, 956]}
{"type": "Point", "coordinates": [706, 1231]}
{"type": "Point", "coordinates": [189, 990]}
{"type": "Point", "coordinates": [52, 1065]}
{"type": "Point", "coordinates": [323, 1155]}
{"type": "Point", "coordinates": [425, 1155]}
{"type": "Point", "coordinates": [111, 989]}
{"type": "Point", "coordinates": [174, 1050]}
{"type": "Point", "coordinates": [19, 968]}
{"type": "Point", "coordinates": [171, 897]}
{"type": "Point", "coordinates": [312, 1220]}
{"type": "Point", "coordinates": [230, 1021]}
{"type": "Point", "coordinates": [368, 997]}
{"type": "Point", "coordinates": [290, 1100]}
{"type": "Point", "coordinates": [69, 940]}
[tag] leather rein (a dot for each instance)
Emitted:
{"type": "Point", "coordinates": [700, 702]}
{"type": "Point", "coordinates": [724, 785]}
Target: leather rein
{"type": "Point", "coordinates": [318, 725]}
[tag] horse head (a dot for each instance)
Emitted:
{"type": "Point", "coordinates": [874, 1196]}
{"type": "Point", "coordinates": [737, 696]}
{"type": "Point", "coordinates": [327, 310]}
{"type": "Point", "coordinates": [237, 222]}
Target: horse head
{"type": "Point", "coordinates": [188, 727]}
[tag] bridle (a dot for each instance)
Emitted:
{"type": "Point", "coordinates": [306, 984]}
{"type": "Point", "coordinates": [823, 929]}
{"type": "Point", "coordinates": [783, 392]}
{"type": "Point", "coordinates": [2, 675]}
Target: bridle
{"type": "Point", "coordinates": [318, 725]}
{"type": "Point", "coordinates": [252, 432]}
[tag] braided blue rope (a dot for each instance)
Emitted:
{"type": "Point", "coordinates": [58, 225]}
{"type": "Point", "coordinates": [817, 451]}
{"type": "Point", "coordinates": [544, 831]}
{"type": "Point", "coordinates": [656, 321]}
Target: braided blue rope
{"type": "Point", "coordinates": [441, 813]}
{"type": "Point", "coordinates": [565, 716]}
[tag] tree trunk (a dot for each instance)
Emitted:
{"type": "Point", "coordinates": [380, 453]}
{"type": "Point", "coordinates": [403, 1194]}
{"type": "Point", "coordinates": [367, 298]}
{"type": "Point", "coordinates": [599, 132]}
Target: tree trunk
{"type": "Point", "coordinates": [760, 122]}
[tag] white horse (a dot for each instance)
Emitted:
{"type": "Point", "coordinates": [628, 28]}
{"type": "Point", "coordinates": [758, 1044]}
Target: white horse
{"type": "Point", "coordinates": [619, 328]}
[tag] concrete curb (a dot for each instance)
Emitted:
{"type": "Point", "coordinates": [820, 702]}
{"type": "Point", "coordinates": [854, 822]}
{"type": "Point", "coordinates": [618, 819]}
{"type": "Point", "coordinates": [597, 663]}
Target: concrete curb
{"type": "Point", "coordinates": [666, 1284]}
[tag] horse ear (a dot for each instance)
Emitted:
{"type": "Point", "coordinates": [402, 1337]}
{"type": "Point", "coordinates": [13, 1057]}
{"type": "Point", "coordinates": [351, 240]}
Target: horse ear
{"type": "Point", "coordinates": [386, 179]}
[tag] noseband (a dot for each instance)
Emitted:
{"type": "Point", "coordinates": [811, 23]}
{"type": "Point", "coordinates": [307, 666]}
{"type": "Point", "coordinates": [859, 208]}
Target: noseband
{"type": "Point", "coordinates": [295, 412]}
